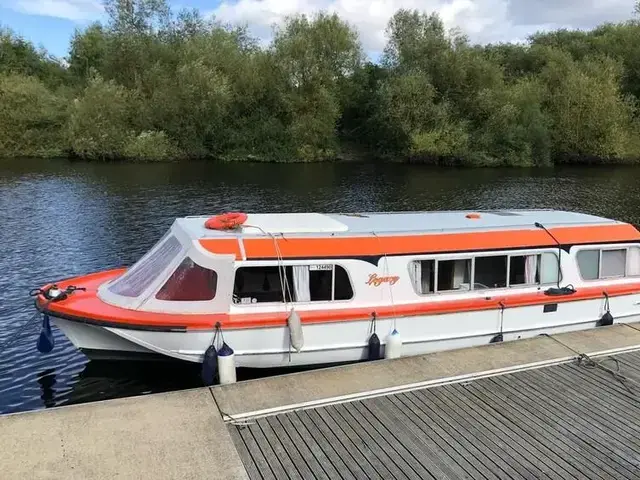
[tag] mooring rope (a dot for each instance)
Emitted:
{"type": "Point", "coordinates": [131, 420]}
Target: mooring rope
{"type": "Point", "coordinates": [282, 273]}
{"type": "Point", "coordinates": [586, 361]}
{"type": "Point", "coordinates": [386, 273]}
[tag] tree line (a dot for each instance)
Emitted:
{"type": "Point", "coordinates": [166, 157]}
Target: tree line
{"type": "Point", "coordinates": [152, 84]}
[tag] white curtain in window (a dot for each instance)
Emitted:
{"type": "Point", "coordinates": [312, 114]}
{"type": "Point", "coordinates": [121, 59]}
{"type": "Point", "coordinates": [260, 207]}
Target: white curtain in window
{"type": "Point", "coordinates": [530, 269]}
{"type": "Point", "coordinates": [301, 283]}
{"type": "Point", "coordinates": [633, 262]}
{"type": "Point", "coordinates": [613, 263]}
{"type": "Point", "coordinates": [549, 268]}
{"type": "Point", "coordinates": [415, 271]}
{"type": "Point", "coordinates": [459, 269]}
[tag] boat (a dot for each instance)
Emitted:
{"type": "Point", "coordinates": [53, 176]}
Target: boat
{"type": "Point", "coordinates": [440, 280]}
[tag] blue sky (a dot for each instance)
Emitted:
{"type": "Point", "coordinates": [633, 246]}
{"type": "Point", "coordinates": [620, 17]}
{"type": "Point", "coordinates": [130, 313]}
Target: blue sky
{"type": "Point", "coordinates": [50, 32]}
{"type": "Point", "coordinates": [51, 23]}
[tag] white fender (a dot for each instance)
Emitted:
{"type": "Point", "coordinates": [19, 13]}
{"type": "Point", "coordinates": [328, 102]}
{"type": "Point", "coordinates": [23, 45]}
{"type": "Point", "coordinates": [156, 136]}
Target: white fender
{"type": "Point", "coordinates": [393, 348]}
{"type": "Point", "coordinates": [295, 330]}
{"type": "Point", "coordinates": [226, 365]}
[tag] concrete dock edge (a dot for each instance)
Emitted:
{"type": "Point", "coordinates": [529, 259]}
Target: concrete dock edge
{"type": "Point", "coordinates": [190, 434]}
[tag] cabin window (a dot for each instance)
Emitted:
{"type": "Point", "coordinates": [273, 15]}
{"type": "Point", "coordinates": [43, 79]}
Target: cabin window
{"type": "Point", "coordinates": [451, 275]}
{"type": "Point", "coordinates": [613, 263]}
{"type": "Point", "coordinates": [596, 264]}
{"type": "Point", "coordinates": [304, 283]}
{"type": "Point", "coordinates": [262, 284]}
{"type": "Point", "coordinates": [549, 268]}
{"type": "Point", "coordinates": [588, 263]}
{"type": "Point", "coordinates": [342, 285]}
{"type": "Point", "coordinates": [139, 277]}
{"type": "Point", "coordinates": [454, 275]}
{"type": "Point", "coordinates": [423, 276]}
{"type": "Point", "coordinates": [533, 269]}
{"type": "Point", "coordinates": [524, 270]}
{"type": "Point", "coordinates": [490, 272]}
{"type": "Point", "coordinates": [485, 272]}
{"type": "Point", "coordinates": [313, 283]}
{"type": "Point", "coordinates": [189, 283]}
{"type": "Point", "coordinates": [633, 262]}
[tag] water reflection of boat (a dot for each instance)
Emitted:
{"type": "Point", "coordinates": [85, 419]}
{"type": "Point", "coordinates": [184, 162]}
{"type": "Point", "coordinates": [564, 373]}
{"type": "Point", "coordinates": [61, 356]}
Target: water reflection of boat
{"type": "Point", "coordinates": [103, 380]}
{"type": "Point", "coordinates": [442, 279]}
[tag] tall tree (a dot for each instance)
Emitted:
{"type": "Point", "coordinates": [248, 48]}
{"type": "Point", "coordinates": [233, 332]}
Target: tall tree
{"type": "Point", "coordinates": [314, 55]}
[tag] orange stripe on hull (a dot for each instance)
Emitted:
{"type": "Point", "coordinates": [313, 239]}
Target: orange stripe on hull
{"type": "Point", "coordinates": [431, 308]}
{"type": "Point", "coordinates": [86, 305]}
{"type": "Point", "coordinates": [327, 247]}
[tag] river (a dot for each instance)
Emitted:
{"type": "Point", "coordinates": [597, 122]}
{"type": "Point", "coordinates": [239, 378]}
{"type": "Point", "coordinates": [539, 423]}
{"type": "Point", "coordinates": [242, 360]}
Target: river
{"type": "Point", "coordinates": [61, 218]}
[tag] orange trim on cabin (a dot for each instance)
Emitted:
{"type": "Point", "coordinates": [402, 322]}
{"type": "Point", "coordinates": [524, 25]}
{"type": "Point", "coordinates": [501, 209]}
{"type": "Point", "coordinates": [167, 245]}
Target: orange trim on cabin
{"type": "Point", "coordinates": [223, 246]}
{"type": "Point", "coordinates": [343, 246]}
{"type": "Point", "coordinates": [88, 306]}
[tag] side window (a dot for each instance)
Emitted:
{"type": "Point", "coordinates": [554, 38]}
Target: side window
{"type": "Point", "coordinates": [262, 284]}
{"type": "Point", "coordinates": [321, 283]}
{"type": "Point", "coordinates": [524, 270]}
{"type": "Point", "coordinates": [595, 264]}
{"type": "Point", "coordinates": [422, 273]}
{"type": "Point", "coordinates": [549, 268]}
{"type": "Point", "coordinates": [189, 282]}
{"type": "Point", "coordinates": [536, 269]}
{"type": "Point", "coordinates": [304, 283]}
{"type": "Point", "coordinates": [613, 263]}
{"type": "Point", "coordinates": [454, 275]}
{"type": "Point", "coordinates": [588, 263]}
{"type": "Point", "coordinates": [342, 284]}
{"type": "Point", "coordinates": [490, 272]}
{"type": "Point", "coordinates": [633, 262]}
{"type": "Point", "coordinates": [430, 276]}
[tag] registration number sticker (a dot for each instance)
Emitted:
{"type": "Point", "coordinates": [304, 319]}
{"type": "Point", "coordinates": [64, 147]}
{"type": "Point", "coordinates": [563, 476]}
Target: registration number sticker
{"type": "Point", "coordinates": [320, 267]}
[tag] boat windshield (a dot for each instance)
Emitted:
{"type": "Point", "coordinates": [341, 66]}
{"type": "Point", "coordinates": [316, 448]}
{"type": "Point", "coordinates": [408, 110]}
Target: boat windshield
{"type": "Point", "coordinates": [138, 278]}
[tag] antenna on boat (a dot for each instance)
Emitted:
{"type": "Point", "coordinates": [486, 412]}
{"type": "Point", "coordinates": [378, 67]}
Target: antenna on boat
{"type": "Point", "coordinates": [539, 225]}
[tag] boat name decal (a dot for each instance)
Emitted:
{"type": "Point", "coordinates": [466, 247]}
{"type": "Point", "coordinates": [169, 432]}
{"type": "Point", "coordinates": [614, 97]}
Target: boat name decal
{"type": "Point", "coordinates": [376, 281]}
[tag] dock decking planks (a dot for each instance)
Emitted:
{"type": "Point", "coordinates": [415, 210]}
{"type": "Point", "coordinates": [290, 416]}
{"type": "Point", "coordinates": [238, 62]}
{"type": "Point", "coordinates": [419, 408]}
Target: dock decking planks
{"type": "Point", "coordinates": [562, 422]}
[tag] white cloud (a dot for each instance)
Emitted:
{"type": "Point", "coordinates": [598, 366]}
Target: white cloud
{"type": "Point", "coordinates": [577, 13]}
{"type": "Point", "coordinates": [76, 10]}
{"type": "Point", "coordinates": [482, 20]}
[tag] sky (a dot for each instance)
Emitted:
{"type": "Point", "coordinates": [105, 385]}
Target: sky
{"type": "Point", "coordinates": [50, 23]}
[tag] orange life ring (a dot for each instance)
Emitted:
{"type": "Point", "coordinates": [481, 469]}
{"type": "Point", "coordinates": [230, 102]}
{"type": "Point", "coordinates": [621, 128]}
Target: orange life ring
{"type": "Point", "coordinates": [226, 221]}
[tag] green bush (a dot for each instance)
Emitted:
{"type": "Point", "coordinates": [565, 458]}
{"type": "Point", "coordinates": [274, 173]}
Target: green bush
{"type": "Point", "coordinates": [31, 118]}
{"type": "Point", "coordinates": [150, 84]}
{"type": "Point", "coordinates": [149, 146]}
{"type": "Point", "coordinates": [99, 126]}
{"type": "Point", "coordinates": [589, 114]}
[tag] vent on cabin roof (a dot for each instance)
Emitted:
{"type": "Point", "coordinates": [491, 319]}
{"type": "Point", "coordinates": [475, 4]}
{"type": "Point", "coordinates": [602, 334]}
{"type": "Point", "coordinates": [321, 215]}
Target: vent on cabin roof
{"type": "Point", "coordinates": [502, 213]}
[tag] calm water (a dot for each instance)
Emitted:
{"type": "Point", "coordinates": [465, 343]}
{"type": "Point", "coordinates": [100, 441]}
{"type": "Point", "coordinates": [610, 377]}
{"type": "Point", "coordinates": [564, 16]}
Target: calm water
{"type": "Point", "coordinates": [59, 219]}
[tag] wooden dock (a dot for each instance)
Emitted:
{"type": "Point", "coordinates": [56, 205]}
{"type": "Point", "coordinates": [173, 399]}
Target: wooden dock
{"type": "Point", "coordinates": [567, 421]}
{"type": "Point", "coordinates": [560, 407]}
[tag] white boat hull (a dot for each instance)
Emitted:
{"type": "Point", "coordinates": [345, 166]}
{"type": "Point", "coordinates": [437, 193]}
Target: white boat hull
{"type": "Point", "coordinates": [346, 341]}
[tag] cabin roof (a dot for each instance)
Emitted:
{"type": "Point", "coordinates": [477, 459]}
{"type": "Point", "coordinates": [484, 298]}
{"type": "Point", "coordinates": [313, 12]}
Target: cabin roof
{"type": "Point", "coordinates": [392, 223]}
